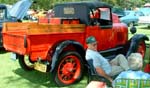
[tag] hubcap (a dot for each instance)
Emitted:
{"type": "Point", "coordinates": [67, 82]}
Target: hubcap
{"type": "Point", "coordinates": [67, 69]}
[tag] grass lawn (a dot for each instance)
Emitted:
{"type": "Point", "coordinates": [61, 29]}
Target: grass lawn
{"type": "Point", "coordinates": [12, 76]}
{"type": "Point", "coordinates": [142, 30]}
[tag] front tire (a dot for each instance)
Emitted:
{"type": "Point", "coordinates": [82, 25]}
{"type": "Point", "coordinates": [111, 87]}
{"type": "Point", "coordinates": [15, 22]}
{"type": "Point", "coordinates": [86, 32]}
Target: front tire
{"type": "Point", "coordinates": [25, 63]}
{"type": "Point", "coordinates": [134, 48]}
{"type": "Point", "coordinates": [142, 48]}
{"type": "Point", "coordinates": [69, 68]}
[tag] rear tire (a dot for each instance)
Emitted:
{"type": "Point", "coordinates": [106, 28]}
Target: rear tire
{"type": "Point", "coordinates": [69, 68]}
{"type": "Point", "coordinates": [25, 63]}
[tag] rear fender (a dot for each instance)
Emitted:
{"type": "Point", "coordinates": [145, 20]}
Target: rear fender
{"type": "Point", "coordinates": [134, 42]}
{"type": "Point", "coordinates": [59, 48]}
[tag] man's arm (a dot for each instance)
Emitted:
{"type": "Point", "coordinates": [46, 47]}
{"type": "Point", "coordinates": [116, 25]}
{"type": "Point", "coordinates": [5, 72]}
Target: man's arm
{"type": "Point", "coordinates": [102, 73]}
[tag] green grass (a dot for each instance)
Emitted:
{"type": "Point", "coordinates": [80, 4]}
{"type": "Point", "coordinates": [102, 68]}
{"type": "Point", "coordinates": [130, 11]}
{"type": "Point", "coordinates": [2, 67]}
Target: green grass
{"type": "Point", "coordinates": [12, 76]}
{"type": "Point", "coordinates": [142, 30]}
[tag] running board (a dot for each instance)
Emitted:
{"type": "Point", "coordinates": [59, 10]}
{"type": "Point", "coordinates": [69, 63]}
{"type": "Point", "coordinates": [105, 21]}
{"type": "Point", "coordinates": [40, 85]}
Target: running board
{"type": "Point", "coordinates": [110, 53]}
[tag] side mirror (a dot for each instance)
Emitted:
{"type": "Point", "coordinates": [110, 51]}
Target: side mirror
{"type": "Point", "coordinates": [133, 29]}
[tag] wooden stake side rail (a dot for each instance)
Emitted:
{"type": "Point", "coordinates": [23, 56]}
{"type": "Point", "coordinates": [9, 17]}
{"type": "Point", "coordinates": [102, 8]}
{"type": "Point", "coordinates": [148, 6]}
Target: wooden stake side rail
{"type": "Point", "coordinates": [41, 28]}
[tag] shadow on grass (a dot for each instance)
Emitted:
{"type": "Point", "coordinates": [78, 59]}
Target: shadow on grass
{"type": "Point", "coordinates": [144, 27]}
{"type": "Point", "coordinates": [36, 77]}
{"type": "Point", "coordinates": [44, 79]}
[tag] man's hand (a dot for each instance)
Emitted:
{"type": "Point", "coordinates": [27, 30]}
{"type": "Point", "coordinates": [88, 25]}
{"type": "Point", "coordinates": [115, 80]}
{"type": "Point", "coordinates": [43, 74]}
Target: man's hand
{"type": "Point", "coordinates": [101, 72]}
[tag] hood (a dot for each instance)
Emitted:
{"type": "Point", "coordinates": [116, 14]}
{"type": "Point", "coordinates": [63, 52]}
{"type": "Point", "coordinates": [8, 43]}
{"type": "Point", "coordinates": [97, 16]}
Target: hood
{"type": "Point", "coordinates": [20, 9]}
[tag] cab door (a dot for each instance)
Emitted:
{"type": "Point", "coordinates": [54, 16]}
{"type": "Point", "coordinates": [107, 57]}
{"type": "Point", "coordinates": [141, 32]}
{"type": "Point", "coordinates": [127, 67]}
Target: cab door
{"type": "Point", "coordinates": [101, 28]}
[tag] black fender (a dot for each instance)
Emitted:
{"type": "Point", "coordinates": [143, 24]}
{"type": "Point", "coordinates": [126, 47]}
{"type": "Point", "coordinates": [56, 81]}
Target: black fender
{"type": "Point", "coordinates": [59, 48]}
{"type": "Point", "coordinates": [134, 42]}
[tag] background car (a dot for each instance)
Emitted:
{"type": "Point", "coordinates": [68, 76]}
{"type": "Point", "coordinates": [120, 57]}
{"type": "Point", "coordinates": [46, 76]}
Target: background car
{"type": "Point", "coordinates": [130, 18]}
{"type": "Point", "coordinates": [119, 11]}
{"type": "Point", "coordinates": [145, 19]}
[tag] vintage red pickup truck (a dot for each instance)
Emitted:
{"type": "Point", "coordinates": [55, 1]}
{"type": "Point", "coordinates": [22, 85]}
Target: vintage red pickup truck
{"type": "Point", "coordinates": [58, 44]}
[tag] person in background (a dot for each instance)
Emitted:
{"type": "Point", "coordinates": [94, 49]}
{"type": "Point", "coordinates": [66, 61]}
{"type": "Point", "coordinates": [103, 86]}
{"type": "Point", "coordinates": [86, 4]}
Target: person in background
{"type": "Point", "coordinates": [135, 62]}
{"type": "Point", "coordinates": [101, 64]}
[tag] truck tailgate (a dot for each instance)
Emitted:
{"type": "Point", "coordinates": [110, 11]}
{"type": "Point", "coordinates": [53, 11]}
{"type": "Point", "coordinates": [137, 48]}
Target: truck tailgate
{"type": "Point", "coordinates": [13, 36]}
{"type": "Point", "coordinates": [14, 41]}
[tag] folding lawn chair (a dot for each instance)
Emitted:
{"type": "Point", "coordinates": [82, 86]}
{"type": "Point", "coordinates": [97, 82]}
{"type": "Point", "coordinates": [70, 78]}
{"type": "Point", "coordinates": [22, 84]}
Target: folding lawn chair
{"type": "Point", "coordinates": [93, 75]}
{"type": "Point", "coordinates": [131, 83]}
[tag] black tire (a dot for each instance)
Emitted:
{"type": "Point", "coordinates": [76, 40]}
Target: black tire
{"type": "Point", "coordinates": [69, 68]}
{"type": "Point", "coordinates": [24, 65]}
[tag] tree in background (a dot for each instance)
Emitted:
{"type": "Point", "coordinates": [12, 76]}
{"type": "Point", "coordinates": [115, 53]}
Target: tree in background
{"type": "Point", "coordinates": [48, 4]}
{"type": "Point", "coordinates": [8, 1]}
{"type": "Point", "coordinates": [128, 4]}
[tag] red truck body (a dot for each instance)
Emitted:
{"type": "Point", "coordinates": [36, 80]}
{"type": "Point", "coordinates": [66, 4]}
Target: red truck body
{"type": "Point", "coordinates": [41, 37]}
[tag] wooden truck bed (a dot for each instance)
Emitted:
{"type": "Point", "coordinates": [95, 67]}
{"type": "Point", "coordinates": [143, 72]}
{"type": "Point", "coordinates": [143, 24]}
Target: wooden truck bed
{"type": "Point", "coordinates": [36, 39]}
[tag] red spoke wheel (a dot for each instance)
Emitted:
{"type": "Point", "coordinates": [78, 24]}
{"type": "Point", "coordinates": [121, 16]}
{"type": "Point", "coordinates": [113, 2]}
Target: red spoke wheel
{"type": "Point", "coordinates": [69, 68]}
{"type": "Point", "coordinates": [142, 48]}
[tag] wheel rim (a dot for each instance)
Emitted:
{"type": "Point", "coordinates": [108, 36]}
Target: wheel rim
{"type": "Point", "coordinates": [27, 62]}
{"type": "Point", "coordinates": [141, 49]}
{"type": "Point", "coordinates": [131, 24]}
{"type": "Point", "coordinates": [69, 69]}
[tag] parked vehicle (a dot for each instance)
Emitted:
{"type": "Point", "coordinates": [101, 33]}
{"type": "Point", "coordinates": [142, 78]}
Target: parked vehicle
{"type": "Point", "coordinates": [4, 17]}
{"type": "Point", "coordinates": [130, 18]}
{"type": "Point", "coordinates": [119, 11]}
{"type": "Point", "coordinates": [58, 44]}
{"type": "Point", "coordinates": [14, 14]}
{"type": "Point", "coordinates": [145, 19]}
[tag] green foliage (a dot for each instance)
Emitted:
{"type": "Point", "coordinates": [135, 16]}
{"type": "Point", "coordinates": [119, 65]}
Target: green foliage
{"type": "Point", "coordinates": [129, 4]}
{"type": "Point", "coordinates": [48, 4]}
{"type": "Point", "coordinates": [8, 1]}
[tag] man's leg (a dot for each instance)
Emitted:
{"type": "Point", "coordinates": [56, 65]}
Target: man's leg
{"type": "Point", "coordinates": [119, 64]}
{"type": "Point", "coordinates": [115, 70]}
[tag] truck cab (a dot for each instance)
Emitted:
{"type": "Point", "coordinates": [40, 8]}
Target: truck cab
{"type": "Point", "coordinates": [99, 20]}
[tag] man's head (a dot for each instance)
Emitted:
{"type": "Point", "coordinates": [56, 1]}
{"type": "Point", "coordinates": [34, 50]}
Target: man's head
{"type": "Point", "coordinates": [135, 61]}
{"type": "Point", "coordinates": [91, 42]}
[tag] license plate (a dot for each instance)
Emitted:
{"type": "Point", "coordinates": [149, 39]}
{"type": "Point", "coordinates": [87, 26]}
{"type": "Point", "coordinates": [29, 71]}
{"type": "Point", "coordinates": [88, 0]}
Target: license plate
{"type": "Point", "coordinates": [13, 56]}
{"type": "Point", "coordinates": [40, 67]}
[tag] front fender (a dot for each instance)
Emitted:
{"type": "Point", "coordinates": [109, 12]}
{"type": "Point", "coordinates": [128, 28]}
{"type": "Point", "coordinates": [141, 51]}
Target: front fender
{"type": "Point", "coordinates": [134, 42]}
{"type": "Point", "coordinates": [59, 48]}
{"type": "Point", "coordinates": [139, 37]}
